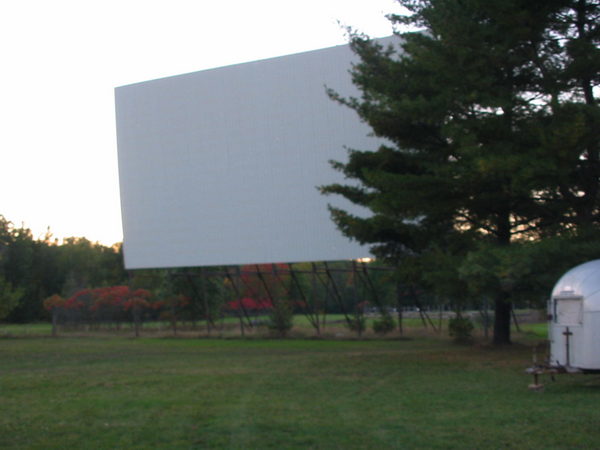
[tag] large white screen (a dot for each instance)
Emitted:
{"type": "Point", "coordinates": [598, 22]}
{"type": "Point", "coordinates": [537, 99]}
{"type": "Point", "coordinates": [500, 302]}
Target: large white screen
{"type": "Point", "coordinates": [221, 166]}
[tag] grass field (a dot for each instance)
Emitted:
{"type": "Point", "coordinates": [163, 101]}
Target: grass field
{"type": "Point", "coordinates": [228, 393]}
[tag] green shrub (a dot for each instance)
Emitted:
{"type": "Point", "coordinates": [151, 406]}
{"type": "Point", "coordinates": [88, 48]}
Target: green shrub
{"type": "Point", "coordinates": [281, 318]}
{"type": "Point", "coordinates": [460, 328]}
{"type": "Point", "coordinates": [384, 325]}
{"type": "Point", "coordinates": [358, 324]}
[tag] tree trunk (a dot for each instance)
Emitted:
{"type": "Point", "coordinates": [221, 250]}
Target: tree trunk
{"type": "Point", "coordinates": [54, 322]}
{"type": "Point", "coordinates": [502, 309]}
{"type": "Point", "coordinates": [243, 333]}
{"type": "Point", "coordinates": [173, 317]}
{"type": "Point", "coordinates": [485, 317]}
{"type": "Point", "coordinates": [136, 320]}
{"type": "Point", "coordinates": [502, 305]}
{"type": "Point", "coordinates": [399, 306]}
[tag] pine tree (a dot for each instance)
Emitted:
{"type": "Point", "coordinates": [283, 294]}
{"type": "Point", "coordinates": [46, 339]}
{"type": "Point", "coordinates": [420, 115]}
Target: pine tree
{"type": "Point", "coordinates": [489, 118]}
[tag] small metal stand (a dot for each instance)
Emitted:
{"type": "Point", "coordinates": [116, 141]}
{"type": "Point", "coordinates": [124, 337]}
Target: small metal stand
{"type": "Point", "coordinates": [546, 368]}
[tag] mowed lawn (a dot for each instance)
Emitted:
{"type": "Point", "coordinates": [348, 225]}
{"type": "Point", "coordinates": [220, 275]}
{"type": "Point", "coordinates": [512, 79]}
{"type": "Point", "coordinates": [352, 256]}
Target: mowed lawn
{"type": "Point", "coordinates": [199, 393]}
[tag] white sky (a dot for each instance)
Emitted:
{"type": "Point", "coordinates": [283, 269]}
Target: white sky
{"type": "Point", "coordinates": [61, 60]}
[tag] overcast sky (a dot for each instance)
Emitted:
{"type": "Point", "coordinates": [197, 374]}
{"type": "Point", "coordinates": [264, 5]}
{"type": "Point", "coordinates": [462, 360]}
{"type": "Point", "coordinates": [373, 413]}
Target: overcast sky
{"type": "Point", "coordinates": [62, 60]}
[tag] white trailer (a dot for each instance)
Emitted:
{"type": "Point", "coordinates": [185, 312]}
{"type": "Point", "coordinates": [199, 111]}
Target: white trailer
{"type": "Point", "coordinates": [573, 325]}
{"type": "Point", "coordinates": [574, 319]}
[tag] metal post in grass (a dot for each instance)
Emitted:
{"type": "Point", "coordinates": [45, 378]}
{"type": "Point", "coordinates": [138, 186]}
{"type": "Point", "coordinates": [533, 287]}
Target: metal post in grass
{"type": "Point", "coordinates": [369, 285]}
{"type": "Point", "coordinates": [173, 304]}
{"type": "Point", "coordinates": [359, 322]}
{"type": "Point", "coordinates": [241, 311]}
{"type": "Point", "coordinates": [326, 297]}
{"type": "Point", "coordinates": [203, 279]}
{"type": "Point", "coordinates": [135, 309]}
{"type": "Point", "coordinates": [238, 293]}
{"type": "Point", "coordinates": [281, 319]}
{"type": "Point", "coordinates": [309, 307]}
{"type": "Point", "coordinates": [424, 316]}
{"type": "Point", "coordinates": [251, 289]}
{"type": "Point", "coordinates": [331, 286]}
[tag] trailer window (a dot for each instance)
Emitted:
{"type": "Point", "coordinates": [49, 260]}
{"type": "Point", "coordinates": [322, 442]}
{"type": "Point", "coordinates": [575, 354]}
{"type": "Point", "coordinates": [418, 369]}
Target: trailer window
{"type": "Point", "coordinates": [567, 311]}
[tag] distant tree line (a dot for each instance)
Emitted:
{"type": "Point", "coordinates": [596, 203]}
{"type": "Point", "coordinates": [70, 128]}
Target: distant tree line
{"type": "Point", "coordinates": [80, 284]}
{"type": "Point", "coordinates": [254, 295]}
{"type": "Point", "coordinates": [33, 269]}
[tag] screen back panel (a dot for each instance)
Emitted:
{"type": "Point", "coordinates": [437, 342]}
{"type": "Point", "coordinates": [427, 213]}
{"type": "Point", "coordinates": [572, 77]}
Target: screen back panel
{"type": "Point", "coordinates": [222, 166]}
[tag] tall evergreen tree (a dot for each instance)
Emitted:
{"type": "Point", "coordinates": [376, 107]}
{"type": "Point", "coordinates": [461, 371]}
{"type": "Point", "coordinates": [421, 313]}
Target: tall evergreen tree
{"type": "Point", "coordinates": [489, 118]}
